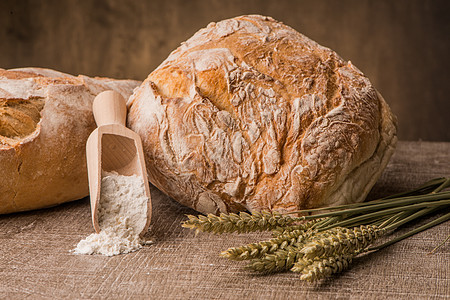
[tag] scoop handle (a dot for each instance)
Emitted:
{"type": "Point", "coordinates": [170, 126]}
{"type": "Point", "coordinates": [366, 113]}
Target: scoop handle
{"type": "Point", "coordinates": [109, 107]}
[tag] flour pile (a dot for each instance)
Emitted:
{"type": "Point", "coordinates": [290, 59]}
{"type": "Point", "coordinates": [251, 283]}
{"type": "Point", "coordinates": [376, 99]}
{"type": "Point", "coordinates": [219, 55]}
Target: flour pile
{"type": "Point", "coordinates": [122, 215]}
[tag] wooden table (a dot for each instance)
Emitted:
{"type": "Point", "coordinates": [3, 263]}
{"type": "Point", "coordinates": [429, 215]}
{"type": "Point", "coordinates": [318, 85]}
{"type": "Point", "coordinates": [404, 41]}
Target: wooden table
{"type": "Point", "coordinates": [35, 261]}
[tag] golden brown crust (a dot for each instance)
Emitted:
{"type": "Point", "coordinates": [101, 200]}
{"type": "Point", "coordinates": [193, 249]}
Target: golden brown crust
{"type": "Point", "coordinates": [249, 113]}
{"type": "Point", "coordinates": [45, 120]}
{"type": "Point", "coordinates": [8, 74]}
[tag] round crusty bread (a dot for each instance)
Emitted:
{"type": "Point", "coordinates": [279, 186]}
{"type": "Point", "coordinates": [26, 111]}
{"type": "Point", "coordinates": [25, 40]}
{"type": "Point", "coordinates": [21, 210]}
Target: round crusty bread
{"type": "Point", "coordinates": [45, 120]}
{"type": "Point", "coordinates": [250, 114]}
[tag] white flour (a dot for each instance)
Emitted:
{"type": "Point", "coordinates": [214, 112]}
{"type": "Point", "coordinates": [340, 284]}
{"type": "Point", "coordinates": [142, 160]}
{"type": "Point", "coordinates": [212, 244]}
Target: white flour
{"type": "Point", "coordinates": [122, 215]}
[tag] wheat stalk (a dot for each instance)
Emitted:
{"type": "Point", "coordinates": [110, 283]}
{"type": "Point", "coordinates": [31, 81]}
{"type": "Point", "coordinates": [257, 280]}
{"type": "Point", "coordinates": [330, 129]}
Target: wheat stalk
{"type": "Point", "coordinates": [240, 223]}
{"type": "Point", "coordinates": [256, 250]}
{"type": "Point", "coordinates": [322, 267]}
{"type": "Point", "coordinates": [280, 260]}
{"type": "Point", "coordinates": [341, 240]}
{"type": "Point", "coordinates": [327, 243]}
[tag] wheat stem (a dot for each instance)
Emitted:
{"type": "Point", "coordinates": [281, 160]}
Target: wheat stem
{"type": "Point", "coordinates": [412, 232]}
{"type": "Point", "coordinates": [390, 210]}
{"type": "Point", "coordinates": [440, 245]}
{"type": "Point", "coordinates": [420, 201]}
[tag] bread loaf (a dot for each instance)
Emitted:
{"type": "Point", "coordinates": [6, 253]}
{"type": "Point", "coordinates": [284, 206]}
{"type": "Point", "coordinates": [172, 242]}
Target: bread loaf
{"type": "Point", "coordinates": [45, 120]}
{"type": "Point", "coordinates": [250, 114]}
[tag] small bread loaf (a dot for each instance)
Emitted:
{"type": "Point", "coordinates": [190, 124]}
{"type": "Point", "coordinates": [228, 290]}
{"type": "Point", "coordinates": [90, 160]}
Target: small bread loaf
{"type": "Point", "coordinates": [250, 114]}
{"type": "Point", "coordinates": [45, 120]}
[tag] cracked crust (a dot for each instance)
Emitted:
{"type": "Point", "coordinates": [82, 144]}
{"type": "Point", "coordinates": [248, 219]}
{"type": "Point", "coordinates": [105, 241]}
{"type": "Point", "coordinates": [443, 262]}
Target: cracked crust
{"type": "Point", "coordinates": [45, 120]}
{"type": "Point", "coordinates": [250, 114]}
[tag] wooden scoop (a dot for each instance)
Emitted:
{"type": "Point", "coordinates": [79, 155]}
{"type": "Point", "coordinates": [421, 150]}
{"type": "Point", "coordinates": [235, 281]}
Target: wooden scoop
{"type": "Point", "coordinates": [113, 147]}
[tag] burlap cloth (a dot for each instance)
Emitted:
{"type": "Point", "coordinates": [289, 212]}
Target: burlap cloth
{"type": "Point", "coordinates": [35, 261]}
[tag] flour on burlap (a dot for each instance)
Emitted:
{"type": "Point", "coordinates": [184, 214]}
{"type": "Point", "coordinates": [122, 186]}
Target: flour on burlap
{"type": "Point", "coordinates": [122, 215]}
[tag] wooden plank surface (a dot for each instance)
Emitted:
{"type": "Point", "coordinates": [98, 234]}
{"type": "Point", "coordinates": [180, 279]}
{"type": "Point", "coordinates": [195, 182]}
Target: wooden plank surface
{"type": "Point", "coordinates": [35, 261]}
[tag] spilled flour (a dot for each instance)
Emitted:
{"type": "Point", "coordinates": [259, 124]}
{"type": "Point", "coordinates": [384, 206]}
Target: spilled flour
{"type": "Point", "coordinates": [122, 215]}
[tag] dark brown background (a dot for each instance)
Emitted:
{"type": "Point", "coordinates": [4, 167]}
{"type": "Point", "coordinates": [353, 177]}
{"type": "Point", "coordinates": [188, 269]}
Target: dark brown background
{"type": "Point", "coordinates": [402, 46]}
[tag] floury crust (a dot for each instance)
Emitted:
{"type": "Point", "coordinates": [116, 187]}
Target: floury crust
{"type": "Point", "coordinates": [249, 114]}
